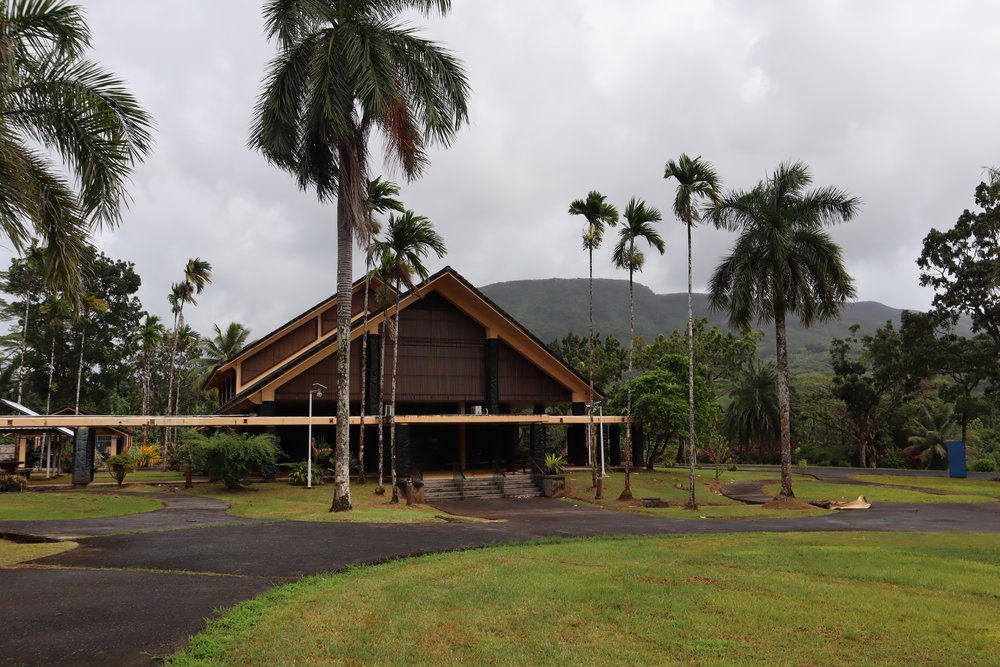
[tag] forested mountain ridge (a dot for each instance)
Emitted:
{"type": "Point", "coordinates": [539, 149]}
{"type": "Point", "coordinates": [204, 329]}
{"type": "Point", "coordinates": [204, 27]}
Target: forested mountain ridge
{"type": "Point", "coordinates": [553, 307]}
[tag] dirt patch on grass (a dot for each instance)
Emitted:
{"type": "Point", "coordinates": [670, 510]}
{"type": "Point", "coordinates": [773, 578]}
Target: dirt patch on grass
{"type": "Point", "coordinates": [786, 503]}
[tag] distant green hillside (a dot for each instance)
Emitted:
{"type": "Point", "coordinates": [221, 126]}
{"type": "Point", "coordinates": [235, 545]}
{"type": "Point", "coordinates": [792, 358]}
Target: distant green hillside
{"type": "Point", "coordinates": [552, 308]}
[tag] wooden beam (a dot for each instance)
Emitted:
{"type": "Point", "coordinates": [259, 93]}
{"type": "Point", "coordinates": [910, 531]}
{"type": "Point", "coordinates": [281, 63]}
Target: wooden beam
{"type": "Point", "coordinates": [75, 421]}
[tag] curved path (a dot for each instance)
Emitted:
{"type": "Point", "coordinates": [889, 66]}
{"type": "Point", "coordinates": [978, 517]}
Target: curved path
{"type": "Point", "coordinates": [126, 598]}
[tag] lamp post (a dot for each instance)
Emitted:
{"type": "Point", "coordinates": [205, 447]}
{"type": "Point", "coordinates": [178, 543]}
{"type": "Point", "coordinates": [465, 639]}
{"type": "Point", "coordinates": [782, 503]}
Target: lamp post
{"type": "Point", "coordinates": [317, 392]}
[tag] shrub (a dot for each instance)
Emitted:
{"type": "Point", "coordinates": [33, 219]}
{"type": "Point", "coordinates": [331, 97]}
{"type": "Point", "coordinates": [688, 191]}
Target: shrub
{"type": "Point", "coordinates": [119, 466]}
{"type": "Point", "coordinates": [985, 465]}
{"type": "Point", "coordinates": [554, 464]}
{"type": "Point", "coordinates": [298, 473]}
{"type": "Point", "coordinates": [12, 483]}
{"type": "Point", "coordinates": [231, 456]}
{"type": "Point", "coordinates": [144, 456]}
{"type": "Point", "coordinates": [732, 467]}
{"type": "Point", "coordinates": [892, 457]}
{"type": "Point", "coordinates": [803, 466]}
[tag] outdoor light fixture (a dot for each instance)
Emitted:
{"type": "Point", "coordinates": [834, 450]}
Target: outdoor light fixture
{"type": "Point", "coordinates": [318, 393]}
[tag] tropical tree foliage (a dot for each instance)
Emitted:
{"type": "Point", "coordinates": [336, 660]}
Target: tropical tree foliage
{"type": "Point", "coordinates": [345, 68]}
{"type": "Point", "coordinates": [962, 263]}
{"type": "Point", "coordinates": [52, 97]}
{"type": "Point", "coordinates": [752, 419]}
{"type": "Point", "coordinates": [783, 263]}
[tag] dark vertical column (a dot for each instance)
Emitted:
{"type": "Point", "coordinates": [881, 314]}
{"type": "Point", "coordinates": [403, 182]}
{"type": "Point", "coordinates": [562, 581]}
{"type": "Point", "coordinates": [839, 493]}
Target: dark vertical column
{"type": "Point", "coordinates": [373, 374]}
{"type": "Point", "coordinates": [404, 454]}
{"type": "Point", "coordinates": [83, 456]}
{"type": "Point", "coordinates": [576, 436]}
{"type": "Point", "coordinates": [536, 450]}
{"type": "Point", "coordinates": [615, 444]}
{"type": "Point", "coordinates": [637, 446]}
{"type": "Point", "coordinates": [269, 409]}
{"type": "Point", "coordinates": [491, 397]}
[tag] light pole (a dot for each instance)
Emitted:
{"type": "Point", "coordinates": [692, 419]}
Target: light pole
{"type": "Point", "coordinates": [600, 425]}
{"type": "Point", "coordinates": [317, 392]}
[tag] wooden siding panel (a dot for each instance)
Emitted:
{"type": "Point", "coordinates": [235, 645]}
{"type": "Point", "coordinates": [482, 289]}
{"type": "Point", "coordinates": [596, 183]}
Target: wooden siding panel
{"type": "Point", "coordinates": [523, 382]}
{"type": "Point", "coordinates": [279, 351]}
{"type": "Point", "coordinates": [328, 318]}
{"type": "Point", "coordinates": [325, 372]}
{"type": "Point", "coordinates": [441, 354]}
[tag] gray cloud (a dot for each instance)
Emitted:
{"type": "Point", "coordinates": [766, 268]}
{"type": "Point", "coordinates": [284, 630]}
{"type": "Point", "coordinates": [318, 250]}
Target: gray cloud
{"type": "Point", "coordinates": [893, 101]}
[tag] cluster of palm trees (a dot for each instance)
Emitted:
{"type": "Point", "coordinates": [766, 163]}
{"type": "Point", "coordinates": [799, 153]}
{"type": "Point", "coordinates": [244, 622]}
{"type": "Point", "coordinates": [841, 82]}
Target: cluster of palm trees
{"type": "Point", "coordinates": [784, 263]}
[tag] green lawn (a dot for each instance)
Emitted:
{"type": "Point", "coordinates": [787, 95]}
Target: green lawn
{"type": "Point", "coordinates": [282, 501]}
{"type": "Point", "coordinates": [663, 483]}
{"type": "Point", "coordinates": [973, 486]}
{"type": "Point", "coordinates": [56, 505]}
{"type": "Point", "coordinates": [806, 490]}
{"type": "Point", "coordinates": [816, 598]}
{"type": "Point", "coordinates": [12, 553]}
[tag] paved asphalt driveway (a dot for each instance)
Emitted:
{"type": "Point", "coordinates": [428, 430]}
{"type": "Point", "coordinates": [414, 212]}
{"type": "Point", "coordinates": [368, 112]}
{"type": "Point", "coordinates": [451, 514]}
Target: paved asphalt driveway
{"type": "Point", "coordinates": [122, 599]}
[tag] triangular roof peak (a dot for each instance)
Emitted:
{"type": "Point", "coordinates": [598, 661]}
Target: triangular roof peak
{"type": "Point", "coordinates": [256, 384]}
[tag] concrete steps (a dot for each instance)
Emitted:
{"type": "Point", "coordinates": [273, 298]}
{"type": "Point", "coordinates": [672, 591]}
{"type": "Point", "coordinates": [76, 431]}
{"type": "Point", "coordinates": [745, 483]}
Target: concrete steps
{"type": "Point", "coordinates": [514, 486]}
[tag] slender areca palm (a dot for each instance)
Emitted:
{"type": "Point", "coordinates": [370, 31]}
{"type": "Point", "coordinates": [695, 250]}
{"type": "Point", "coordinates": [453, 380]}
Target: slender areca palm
{"type": "Point", "coordinates": [58, 309]}
{"type": "Point", "coordinates": [783, 263]}
{"type": "Point", "coordinates": [149, 337]}
{"type": "Point", "coordinates": [598, 214]}
{"type": "Point", "coordinates": [197, 275]}
{"type": "Point", "coordinates": [52, 96]}
{"type": "Point", "coordinates": [381, 199]}
{"type": "Point", "coordinates": [409, 238]}
{"type": "Point", "coordinates": [346, 67]}
{"type": "Point", "coordinates": [34, 264]}
{"type": "Point", "coordinates": [697, 184]}
{"type": "Point", "coordinates": [638, 225]}
{"type": "Point", "coordinates": [88, 304]}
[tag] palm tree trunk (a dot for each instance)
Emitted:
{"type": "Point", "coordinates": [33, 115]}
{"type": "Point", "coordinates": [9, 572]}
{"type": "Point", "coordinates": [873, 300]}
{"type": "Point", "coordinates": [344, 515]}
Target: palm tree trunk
{"type": "Point", "coordinates": [350, 174]}
{"type": "Point", "coordinates": [170, 385]}
{"type": "Point", "coordinates": [146, 372]}
{"type": "Point", "coordinates": [392, 397]}
{"type": "Point", "coordinates": [381, 406]}
{"type": "Point", "coordinates": [692, 450]}
{"type": "Point", "coordinates": [24, 346]}
{"type": "Point", "coordinates": [364, 377]}
{"type": "Point", "coordinates": [784, 408]}
{"type": "Point", "coordinates": [626, 493]}
{"type": "Point", "coordinates": [590, 380]}
{"type": "Point", "coordinates": [79, 368]}
{"type": "Point", "coordinates": [48, 404]}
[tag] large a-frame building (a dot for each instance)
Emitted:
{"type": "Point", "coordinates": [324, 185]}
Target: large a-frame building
{"type": "Point", "coordinates": [459, 354]}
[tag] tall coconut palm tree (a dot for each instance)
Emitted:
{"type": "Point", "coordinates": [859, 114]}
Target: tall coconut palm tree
{"type": "Point", "coordinates": [224, 345]}
{"type": "Point", "coordinates": [149, 337]}
{"type": "Point", "coordinates": [409, 238]}
{"type": "Point", "coordinates": [381, 199]}
{"type": "Point", "coordinates": [51, 97]}
{"type": "Point", "coordinates": [783, 263]}
{"type": "Point", "coordinates": [344, 68]}
{"type": "Point", "coordinates": [697, 184]}
{"type": "Point", "coordinates": [87, 305]}
{"type": "Point", "coordinates": [638, 226]}
{"type": "Point", "coordinates": [599, 214]}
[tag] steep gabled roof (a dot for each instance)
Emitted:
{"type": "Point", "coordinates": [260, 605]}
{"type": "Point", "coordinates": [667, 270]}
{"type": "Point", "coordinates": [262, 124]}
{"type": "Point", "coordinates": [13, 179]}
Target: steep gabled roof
{"type": "Point", "coordinates": [450, 284]}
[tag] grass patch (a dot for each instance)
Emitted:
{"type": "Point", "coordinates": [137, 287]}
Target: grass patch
{"type": "Point", "coordinates": [663, 483]}
{"type": "Point", "coordinates": [53, 505]}
{"type": "Point", "coordinates": [12, 553]}
{"type": "Point", "coordinates": [844, 598]}
{"type": "Point", "coordinates": [135, 477]}
{"type": "Point", "coordinates": [284, 502]}
{"type": "Point", "coordinates": [972, 486]}
{"type": "Point", "coordinates": [805, 490]}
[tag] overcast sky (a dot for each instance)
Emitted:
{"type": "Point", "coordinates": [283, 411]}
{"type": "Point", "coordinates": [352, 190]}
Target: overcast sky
{"type": "Point", "coordinates": [896, 102]}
